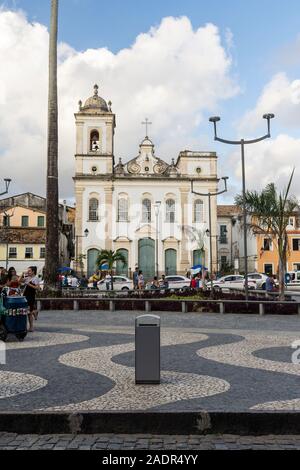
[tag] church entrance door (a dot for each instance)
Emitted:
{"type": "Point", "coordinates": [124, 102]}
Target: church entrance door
{"type": "Point", "coordinates": [170, 262]}
{"type": "Point", "coordinates": [91, 261]}
{"type": "Point", "coordinates": [147, 257]}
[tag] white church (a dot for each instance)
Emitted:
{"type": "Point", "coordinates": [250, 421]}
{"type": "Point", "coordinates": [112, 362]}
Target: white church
{"type": "Point", "coordinates": [143, 207]}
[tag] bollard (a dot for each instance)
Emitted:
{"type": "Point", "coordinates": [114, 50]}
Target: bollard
{"type": "Point", "coordinates": [183, 307]}
{"type": "Point", "coordinates": [147, 306]}
{"type": "Point", "coordinates": [222, 308]}
{"type": "Point", "coordinates": [75, 305]}
{"type": "Point", "coordinates": [111, 306]}
{"type": "Point", "coordinates": [39, 305]}
{"type": "Point", "coordinates": [147, 349]}
{"type": "Point", "coordinates": [261, 309]}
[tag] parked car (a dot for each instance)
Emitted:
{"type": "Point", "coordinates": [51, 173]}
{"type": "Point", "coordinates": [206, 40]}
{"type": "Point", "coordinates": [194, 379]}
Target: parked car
{"type": "Point", "coordinates": [234, 281]}
{"type": "Point", "coordinates": [178, 282]}
{"type": "Point", "coordinates": [260, 280]}
{"type": "Point", "coordinates": [119, 283]}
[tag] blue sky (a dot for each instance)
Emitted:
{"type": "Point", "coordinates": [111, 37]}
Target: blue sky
{"type": "Point", "coordinates": [262, 37]}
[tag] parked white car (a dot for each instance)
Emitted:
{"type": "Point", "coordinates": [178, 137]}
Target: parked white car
{"type": "Point", "coordinates": [232, 281]}
{"type": "Point", "coordinates": [259, 279]}
{"type": "Point", "coordinates": [178, 282]}
{"type": "Point", "coordinates": [119, 283]}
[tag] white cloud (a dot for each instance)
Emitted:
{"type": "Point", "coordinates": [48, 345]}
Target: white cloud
{"type": "Point", "coordinates": [273, 159]}
{"type": "Point", "coordinates": [270, 161]}
{"type": "Point", "coordinates": [280, 96]}
{"type": "Point", "coordinates": [172, 74]}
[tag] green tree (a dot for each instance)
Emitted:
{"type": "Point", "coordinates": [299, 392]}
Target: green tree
{"type": "Point", "coordinates": [52, 235]}
{"type": "Point", "coordinates": [110, 257]}
{"type": "Point", "coordinates": [270, 211]}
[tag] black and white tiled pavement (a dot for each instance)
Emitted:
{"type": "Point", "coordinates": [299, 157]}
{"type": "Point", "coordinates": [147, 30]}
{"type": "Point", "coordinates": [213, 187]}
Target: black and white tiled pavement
{"type": "Point", "coordinates": [84, 361]}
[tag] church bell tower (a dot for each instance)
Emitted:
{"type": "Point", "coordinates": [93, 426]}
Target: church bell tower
{"type": "Point", "coordinates": [95, 127]}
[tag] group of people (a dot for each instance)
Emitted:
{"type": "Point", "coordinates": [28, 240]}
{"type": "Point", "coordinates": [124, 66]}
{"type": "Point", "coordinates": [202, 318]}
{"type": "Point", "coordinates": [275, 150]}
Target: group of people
{"type": "Point", "coordinates": [28, 282]}
{"type": "Point", "coordinates": [139, 281]}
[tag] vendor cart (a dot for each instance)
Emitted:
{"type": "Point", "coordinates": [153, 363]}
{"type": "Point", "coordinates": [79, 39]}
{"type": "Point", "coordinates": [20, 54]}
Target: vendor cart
{"type": "Point", "coordinates": [13, 316]}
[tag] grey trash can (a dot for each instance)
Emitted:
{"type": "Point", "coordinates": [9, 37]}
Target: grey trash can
{"type": "Point", "coordinates": [147, 349]}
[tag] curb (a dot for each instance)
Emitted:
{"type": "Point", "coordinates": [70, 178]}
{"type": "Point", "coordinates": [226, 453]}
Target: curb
{"type": "Point", "coordinates": [141, 422]}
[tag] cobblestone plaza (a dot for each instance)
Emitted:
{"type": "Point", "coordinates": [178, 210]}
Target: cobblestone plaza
{"type": "Point", "coordinates": [84, 361]}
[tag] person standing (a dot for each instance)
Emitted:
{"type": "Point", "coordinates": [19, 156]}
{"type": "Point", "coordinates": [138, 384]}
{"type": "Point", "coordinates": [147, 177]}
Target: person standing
{"type": "Point", "coordinates": [141, 281]}
{"type": "Point", "coordinates": [270, 283]}
{"type": "Point", "coordinates": [32, 284]}
{"type": "Point", "coordinates": [136, 278]}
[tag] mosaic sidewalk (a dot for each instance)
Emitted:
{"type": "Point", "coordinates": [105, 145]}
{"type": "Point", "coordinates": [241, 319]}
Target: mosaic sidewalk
{"type": "Point", "coordinates": [84, 361]}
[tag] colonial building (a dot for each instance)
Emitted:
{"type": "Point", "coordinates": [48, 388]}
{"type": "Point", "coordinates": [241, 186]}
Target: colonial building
{"type": "Point", "coordinates": [23, 232]}
{"type": "Point", "coordinates": [144, 206]}
{"type": "Point", "coordinates": [230, 241]}
{"type": "Point", "coordinates": [267, 250]}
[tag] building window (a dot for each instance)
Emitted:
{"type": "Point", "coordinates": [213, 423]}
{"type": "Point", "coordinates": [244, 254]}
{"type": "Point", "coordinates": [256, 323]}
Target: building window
{"type": "Point", "coordinates": [170, 211]}
{"type": "Point", "coordinates": [291, 221]}
{"type": "Point", "coordinates": [296, 244]}
{"type": "Point", "coordinates": [25, 220]}
{"type": "Point", "coordinates": [94, 141]}
{"type": "Point", "coordinates": [122, 210]}
{"type": "Point", "coordinates": [41, 221]}
{"type": "Point", "coordinates": [42, 252]}
{"type": "Point", "coordinates": [146, 210]}
{"type": "Point", "coordinates": [28, 253]}
{"type": "Point", "coordinates": [296, 266]}
{"type": "Point", "coordinates": [12, 252]}
{"type": "Point", "coordinates": [268, 268]}
{"type": "Point", "coordinates": [93, 209]}
{"type": "Point", "coordinates": [267, 244]}
{"type": "Point", "coordinates": [198, 211]}
{"type": "Point", "coordinates": [223, 234]}
{"type": "Point", "coordinates": [6, 221]}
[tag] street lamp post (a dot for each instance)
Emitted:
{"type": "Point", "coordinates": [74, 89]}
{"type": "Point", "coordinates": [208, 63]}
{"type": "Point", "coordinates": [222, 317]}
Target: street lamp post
{"type": "Point", "coordinates": [242, 143]}
{"type": "Point", "coordinates": [86, 232]}
{"type": "Point", "coordinates": [156, 208]}
{"type": "Point", "coordinates": [209, 194]}
{"type": "Point", "coordinates": [7, 183]}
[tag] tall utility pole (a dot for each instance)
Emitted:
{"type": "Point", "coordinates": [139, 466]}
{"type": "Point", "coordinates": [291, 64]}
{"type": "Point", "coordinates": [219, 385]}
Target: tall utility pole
{"type": "Point", "coordinates": [209, 195]}
{"type": "Point", "coordinates": [52, 235]}
{"type": "Point", "coordinates": [242, 143]}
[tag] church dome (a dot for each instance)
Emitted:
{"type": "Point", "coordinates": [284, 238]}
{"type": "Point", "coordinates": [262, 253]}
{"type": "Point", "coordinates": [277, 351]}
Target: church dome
{"type": "Point", "coordinates": [96, 102]}
{"type": "Point", "coordinates": [147, 141]}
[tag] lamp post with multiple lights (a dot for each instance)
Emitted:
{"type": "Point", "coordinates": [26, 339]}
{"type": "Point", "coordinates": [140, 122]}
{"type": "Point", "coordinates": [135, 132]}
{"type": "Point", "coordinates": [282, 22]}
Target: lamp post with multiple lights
{"type": "Point", "coordinates": [7, 183]}
{"type": "Point", "coordinates": [242, 143]}
{"type": "Point", "coordinates": [209, 195]}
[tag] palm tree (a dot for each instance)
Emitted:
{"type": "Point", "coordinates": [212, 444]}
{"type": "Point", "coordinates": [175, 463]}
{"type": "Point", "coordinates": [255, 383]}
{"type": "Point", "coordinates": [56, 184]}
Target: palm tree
{"type": "Point", "coordinates": [110, 257]}
{"type": "Point", "coordinates": [52, 235]}
{"type": "Point", "coordinates": [270, 211]}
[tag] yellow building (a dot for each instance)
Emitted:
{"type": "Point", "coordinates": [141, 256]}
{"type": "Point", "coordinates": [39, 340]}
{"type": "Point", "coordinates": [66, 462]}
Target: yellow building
{"type": "Point", "coordinates": [23, 232]}
{"type": "Point", "coordinates": [267, 250]}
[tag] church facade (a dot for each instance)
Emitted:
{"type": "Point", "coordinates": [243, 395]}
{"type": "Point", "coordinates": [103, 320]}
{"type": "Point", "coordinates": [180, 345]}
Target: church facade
{"type": "Point", "coordinates": [143, 207]}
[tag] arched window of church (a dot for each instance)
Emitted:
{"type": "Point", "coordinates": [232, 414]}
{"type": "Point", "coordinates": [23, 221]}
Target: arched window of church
{"type": "Point", "coordinates": [170, 211]}
{"type": "Point", "coordinates": [93, 209]}
{"type": "Point", "coordinates": [94, 141]}
{"type": "Point", "coordinates": [198, 211]}
{"type": "Point", "coordinates": [146, 210]}
{"type": "Point", "coordinates": [123, 210]}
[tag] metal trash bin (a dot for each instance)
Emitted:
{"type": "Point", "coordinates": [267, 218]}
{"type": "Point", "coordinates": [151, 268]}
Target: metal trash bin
{"type": "Point", "coordinates": [147, 349]}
